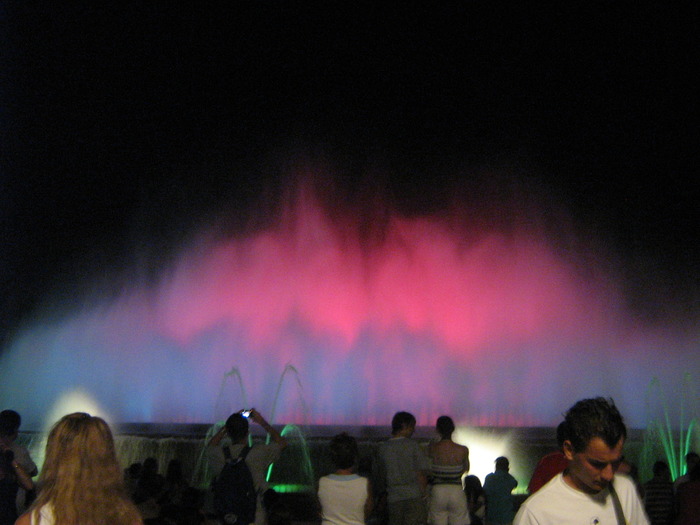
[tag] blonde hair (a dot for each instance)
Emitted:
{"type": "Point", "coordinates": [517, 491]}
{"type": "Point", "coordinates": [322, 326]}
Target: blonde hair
{"type": "Point", "coordinates": [81, 479]}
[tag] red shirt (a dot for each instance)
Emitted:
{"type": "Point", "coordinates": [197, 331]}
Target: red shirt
{"type": "Point", "coordinates": [548, 467]}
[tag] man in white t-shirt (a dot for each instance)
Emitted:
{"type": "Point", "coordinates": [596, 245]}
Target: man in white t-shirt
{"type": "Point", "coordinates": [586, 491]}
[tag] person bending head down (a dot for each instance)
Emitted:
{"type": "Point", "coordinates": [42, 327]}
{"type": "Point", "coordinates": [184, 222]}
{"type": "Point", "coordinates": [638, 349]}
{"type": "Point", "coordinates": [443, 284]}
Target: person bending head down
{"type": "Point", "coordinates": [445, 427]}
{"type": "Point", "coordinates": [403, 424]}
{"type": "Point", "coordinates": [588, 490]}
{"type": "Point", "coordinates": [344, 451]}
{"type": "Point", "coordinates": [596, 434]}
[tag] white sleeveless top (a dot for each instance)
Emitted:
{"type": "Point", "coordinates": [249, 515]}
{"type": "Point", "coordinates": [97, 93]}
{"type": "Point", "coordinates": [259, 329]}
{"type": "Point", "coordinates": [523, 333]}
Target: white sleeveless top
{"type": "Point", "coordinates": [45, 515]}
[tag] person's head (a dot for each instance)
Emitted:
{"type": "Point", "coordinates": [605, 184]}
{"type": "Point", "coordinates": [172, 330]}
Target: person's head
{"type": "Point", "coordinates": [661, 470]}
{"type": "Point", "coordinates": [502, 463]}
{"type": "Point", "coordinates": [80, 453]}
{"type": "Point", "coordinates": [237, 427]}
{"type": "Point", "coordinates": [344, 451]}
{"type": "Point", "coordinates": [403, 422]}
{"type": "Point", "coordinates": [174, 470]}
{"type": "Point", "coordinates": [134, 470]}
{"type": "Point", "coordinates": [79, 443]}
{"type": "Point", "coordinates": [445, 426]}
{"type": "Point", "coordinates": [150, 466]}
{"type": "Point", "coordinates": [472, 483]}
{"type": "Point", "coordinates": [595, 436]}
{"type": "Point", "coordinates": [10, 422]}
{"type": "Point", "coordinates": [590, 418]}
{"type": "Point", "coordinates": [691, 459]}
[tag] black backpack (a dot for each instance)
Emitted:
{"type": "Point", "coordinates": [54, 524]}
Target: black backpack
{"type": "Point", "coordinates": [235, 498]}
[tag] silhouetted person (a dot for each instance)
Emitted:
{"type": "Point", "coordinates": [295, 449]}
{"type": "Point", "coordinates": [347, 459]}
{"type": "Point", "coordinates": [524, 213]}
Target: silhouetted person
{"type": "Point", "coordinates": [586, 491]}
{"type": "Point", "coordinates": [234, 436]}
{"type": "Point", "coordinates": [691, 459]}
{"type": "Point", "coordinates": [449, 461]}
{"type": "Point", "coordinates": [403, 467]}
{"type": "Point", "coordinates": [148, 490]}
{"type": "Point", "coordinates": [16, 467]}
{"type": "Point", "coordinates": [132, 474]}
{"type": "Point", "coordinates": [498, 488]}
{"type": "Point", "coordinates": [474, 493]}
{"type": "Point", "coordinates": [688, 497]}
{"type": "Point", "coordinates": [658, 495]}
{"type": "Point", "coordinates": [345, 496]}
{"type": "Point", "coordinates": [551, 464]}
{"type": "Point", "coordinates": [174, 485]}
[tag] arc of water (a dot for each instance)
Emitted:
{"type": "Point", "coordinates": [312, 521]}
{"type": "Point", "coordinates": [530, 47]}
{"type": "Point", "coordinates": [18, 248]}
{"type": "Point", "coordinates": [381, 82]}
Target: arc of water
{"type": "Point", "coordinates": [201, 475]}
{"type": "Point", "coordinates": [289, 368]}
{"type": "Point", "coordinates": [235, 373]}
{"type": "Point", "coordinates": [305, 470]}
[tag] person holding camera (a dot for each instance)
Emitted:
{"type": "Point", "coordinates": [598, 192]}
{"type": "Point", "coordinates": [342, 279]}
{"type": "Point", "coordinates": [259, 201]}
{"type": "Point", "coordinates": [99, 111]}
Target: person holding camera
{"type": "Point", "coordinates": [229, 443]}
{"type": "Point", "coordinates": [16, 467]}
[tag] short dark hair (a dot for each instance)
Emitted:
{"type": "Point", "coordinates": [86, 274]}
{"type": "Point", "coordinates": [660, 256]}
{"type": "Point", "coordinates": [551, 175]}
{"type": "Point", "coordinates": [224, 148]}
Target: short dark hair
{"type": "Point", "coordinates": [402, 420]}
{"type": "Point", "coordinates": [595, 417]}
{"type": "Point", "coordinates": [660, 467]}
{"type": "Point", "coordinates": [502, 463]}
{"type": "Point", "coordinates": [236, 427]}
{"type": "Point", "coordinates": [344, 451]}
{"type": "Point", "coordinates": [445, 426]}
{"type": "Point", "coordinates": [10, 422]}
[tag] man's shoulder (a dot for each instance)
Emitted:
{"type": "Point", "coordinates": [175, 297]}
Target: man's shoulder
{"type": "Point", "coordinates": [623, 482]}
{"type": "Point", "coordinates": [552, 488]}
{"type": "Point", "coordinates": [542, 501]}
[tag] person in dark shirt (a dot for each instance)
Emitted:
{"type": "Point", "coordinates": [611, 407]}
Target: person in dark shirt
{"type": "Point", "coordinates": [658, 495]}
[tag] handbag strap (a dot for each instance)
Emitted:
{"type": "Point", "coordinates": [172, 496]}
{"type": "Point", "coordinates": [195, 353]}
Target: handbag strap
{"type": "Point", "coordinates": [619, 514]}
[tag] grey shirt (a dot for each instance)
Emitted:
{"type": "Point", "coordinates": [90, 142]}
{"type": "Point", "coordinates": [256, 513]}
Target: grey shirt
{"type": "Point", "coordinates": [400, 461]}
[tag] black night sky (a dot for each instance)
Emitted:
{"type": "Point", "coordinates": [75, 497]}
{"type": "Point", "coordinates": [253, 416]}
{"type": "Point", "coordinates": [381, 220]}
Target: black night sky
{"type": "Point", "coordinates": [125, 127]}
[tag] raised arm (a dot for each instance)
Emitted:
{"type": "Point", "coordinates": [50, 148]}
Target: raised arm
{"type": "Point", "coordinates": [274, 434]}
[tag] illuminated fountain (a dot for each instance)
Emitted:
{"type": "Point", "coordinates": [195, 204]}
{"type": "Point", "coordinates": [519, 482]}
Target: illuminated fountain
{"type": "Point", "coordinates": [225, 402]}
{"type": "Point", "coordinates": [667, 438]}
{"type": "Point", "coordinates": [294, 471]}
{"type": "Point", "coordinates": [430, 314]}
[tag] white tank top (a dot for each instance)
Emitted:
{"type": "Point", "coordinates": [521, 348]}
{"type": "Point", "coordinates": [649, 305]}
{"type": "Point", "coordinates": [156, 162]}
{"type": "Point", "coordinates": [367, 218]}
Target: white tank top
{"type": "Point", "coordinates": [45, 516]}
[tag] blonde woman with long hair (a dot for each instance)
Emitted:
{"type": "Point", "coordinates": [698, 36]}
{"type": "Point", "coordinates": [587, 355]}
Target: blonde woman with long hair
{"type": "Point", "coordinates": [81, 480]}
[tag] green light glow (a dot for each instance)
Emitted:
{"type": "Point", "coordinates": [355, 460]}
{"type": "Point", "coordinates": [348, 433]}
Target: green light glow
{"type": "Point", "coordinates": [294, 468]}
{"type": "Point", "coordinates": [660, 430]}
{"type": "Point", "coordinates": [289, 488]}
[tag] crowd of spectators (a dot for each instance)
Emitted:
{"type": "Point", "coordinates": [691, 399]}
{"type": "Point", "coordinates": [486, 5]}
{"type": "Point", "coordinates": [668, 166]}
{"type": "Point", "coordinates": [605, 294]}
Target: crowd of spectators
{"type": "Point", "coordinates": [402, 483]}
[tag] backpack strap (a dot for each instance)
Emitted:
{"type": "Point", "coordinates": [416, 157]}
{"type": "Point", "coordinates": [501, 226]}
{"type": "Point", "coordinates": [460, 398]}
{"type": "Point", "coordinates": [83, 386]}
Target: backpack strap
{"type": "Point", "coordinates": [243, 453]}
{"type": "Point", "coordinates": [619, 514]}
